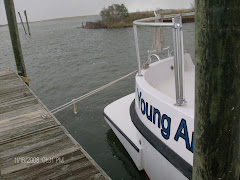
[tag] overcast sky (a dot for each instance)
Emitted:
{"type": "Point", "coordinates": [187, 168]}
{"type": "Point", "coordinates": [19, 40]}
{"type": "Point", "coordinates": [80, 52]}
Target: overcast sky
{"type": "Point", "coordinates": [49, 9]}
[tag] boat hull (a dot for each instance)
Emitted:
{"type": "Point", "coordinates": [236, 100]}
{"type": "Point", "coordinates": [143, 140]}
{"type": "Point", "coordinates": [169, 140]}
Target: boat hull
{"type": "Point", "coordinates": [122, 118]}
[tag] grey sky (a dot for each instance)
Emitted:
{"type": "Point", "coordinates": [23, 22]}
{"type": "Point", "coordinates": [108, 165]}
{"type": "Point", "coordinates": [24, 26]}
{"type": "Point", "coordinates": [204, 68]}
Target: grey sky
{"type": "Point", "coordinates": [49, 9]}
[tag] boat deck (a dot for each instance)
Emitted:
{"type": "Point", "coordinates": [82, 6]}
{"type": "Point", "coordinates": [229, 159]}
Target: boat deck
{"type": "Point", "coordinates": [32, 147]}
{"type": "Point", "coordinates": [169, 87]}
{"type": "Point", "coordinates": [159, 79]}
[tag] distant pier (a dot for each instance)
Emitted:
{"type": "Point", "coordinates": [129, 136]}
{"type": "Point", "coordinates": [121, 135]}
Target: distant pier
{"type": "Point", "coordinates": [33, 147]}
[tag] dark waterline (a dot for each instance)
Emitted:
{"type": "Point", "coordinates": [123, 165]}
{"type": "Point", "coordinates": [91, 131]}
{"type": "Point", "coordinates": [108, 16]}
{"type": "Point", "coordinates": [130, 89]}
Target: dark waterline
{"type": "Point", "coordinates": [64, 62]}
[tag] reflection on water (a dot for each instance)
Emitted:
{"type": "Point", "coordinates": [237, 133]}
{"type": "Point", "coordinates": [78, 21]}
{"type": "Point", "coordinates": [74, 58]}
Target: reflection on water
{"type": "Point", "coordinates": [120, 153]}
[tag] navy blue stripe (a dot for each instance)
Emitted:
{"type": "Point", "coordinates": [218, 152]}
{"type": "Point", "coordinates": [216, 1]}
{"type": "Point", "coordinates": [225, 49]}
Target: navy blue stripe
{"type": "Point", "coordinates": [176, 160]}
{"type": "Point", "coordinates": [124, 135]}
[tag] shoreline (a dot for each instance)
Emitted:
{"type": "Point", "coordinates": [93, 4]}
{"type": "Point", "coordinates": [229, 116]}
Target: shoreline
{"type": "Point", "coordinates": [185, 20]}
{"type": "Point", "coordinates": [128, 21]}
{"type": "Point", "coordinates": [55, 19]}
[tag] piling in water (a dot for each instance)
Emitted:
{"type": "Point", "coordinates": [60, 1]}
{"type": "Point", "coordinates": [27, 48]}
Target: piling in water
{"type": "Point", "coordinates": [22, 22]}
{"type": "Point", "coordinates": [25, 13]}
{"type": "Point", "coordinates": [13, 29]}
{"type": "Point", "coordinates": [217, 92]}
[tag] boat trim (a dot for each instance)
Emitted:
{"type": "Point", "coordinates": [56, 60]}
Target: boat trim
{"type": "Point", "coordinates": [176, 160]}
{"type": "Point", "coordinates": [121, 132]}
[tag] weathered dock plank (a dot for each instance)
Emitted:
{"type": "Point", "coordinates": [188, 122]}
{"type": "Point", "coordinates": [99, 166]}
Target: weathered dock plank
{"type": "Point", "coordinates": [32, 147]}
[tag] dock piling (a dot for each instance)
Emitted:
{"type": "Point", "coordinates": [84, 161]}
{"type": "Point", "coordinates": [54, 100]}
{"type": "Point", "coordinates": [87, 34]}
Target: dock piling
{"type": "Point", "coordinates": [22, 22]}
{"type": "Point", "coordinates": [217, 92]}
{"type": "Point", "coordinates": [25, 13]}
{"type": "Point", "coordinates": [13, 29]}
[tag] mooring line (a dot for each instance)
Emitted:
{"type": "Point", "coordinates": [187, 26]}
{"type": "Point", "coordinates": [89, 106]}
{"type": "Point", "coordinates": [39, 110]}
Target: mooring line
{"type": "Point", "coordinates": [74, 101]}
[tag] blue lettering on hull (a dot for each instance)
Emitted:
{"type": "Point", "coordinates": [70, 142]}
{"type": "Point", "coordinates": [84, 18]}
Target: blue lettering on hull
{"type": "Point", "coordinates": [164, 122]}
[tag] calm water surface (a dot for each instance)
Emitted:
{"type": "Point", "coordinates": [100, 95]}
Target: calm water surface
{"type": "Point", "coordinates": [65, 61]}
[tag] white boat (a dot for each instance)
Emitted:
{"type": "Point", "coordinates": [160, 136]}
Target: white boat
{"type": "Point", "coordinates": [156, 123]}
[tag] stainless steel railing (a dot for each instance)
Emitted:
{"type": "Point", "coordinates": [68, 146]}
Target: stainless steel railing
{"type": "Point", "coordinates": [176, 26]}
{"type": "Point", "coordinates": [178, 60]}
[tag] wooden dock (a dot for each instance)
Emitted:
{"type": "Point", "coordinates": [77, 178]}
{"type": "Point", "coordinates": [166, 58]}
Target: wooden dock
{"type": "Point", "coordinates": [32, 147]}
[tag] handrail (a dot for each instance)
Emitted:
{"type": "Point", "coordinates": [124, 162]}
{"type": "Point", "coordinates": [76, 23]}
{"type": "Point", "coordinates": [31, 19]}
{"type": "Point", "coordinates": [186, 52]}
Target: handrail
{"type": "Point", "coordinates": [175, 15]}
{"type": "Point", "coordinates": [178, 60]}
{"type": "Point", "coordinates": [144, 21]}
{"type": "Point", "coordinates": [153, 24]}
{"type": "Point", "coordinates": [176, 25]}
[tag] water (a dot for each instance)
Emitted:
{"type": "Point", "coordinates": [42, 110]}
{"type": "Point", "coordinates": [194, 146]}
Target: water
{"type": "Point", "coordinates": [64, 62]}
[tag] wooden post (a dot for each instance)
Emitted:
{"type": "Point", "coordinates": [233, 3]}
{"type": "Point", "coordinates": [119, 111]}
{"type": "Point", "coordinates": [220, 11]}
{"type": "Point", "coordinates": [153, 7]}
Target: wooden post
{"type": "Point", "coordinates": [22, 22]}
{"type": "Point", "coordinates": [13, 29]}
{"type": "Point", "coordinates": [217, 92]}
{"type": "Point", "coordinates": [25, 12]}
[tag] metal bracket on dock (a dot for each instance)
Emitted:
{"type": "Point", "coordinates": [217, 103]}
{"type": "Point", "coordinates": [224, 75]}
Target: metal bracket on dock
{"type": "Point", "coordinates": [25, 79]}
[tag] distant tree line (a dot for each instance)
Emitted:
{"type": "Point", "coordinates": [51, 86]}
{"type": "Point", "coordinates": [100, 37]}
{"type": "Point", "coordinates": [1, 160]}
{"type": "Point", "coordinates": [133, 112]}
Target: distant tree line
{"type": "Point", "coordinates": [117, 15]}
{"type": "Point", "coordinates": [114, 13]}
